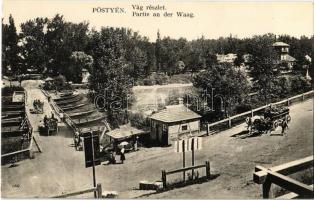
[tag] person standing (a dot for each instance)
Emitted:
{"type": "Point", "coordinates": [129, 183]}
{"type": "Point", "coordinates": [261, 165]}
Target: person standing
{"type": "Point", "coordinates": [46, 121]}
{"type": "Point", "coordinates": [135, 145]}
{"type": "Point", "coordinates": [284, 126]}
{"type": "Point", "coordinates": [122, 158]}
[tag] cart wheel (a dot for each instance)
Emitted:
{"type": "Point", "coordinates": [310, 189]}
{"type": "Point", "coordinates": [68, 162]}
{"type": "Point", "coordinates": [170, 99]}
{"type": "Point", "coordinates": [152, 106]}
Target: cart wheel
{"type": "Point", "coordinates": [275, 125]}
{"type": "Point", "coordinates": [288, 118]}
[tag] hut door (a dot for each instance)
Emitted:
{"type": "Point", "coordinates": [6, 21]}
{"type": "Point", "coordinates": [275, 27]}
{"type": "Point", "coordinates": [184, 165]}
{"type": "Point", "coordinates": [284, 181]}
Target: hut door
{"type": "Point", "coordinates": [158, 132]}
{"type": "Point", "coordinates": [164, 138]}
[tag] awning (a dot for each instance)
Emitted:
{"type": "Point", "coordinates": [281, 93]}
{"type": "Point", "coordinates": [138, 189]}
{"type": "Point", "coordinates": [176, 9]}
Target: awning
{"type": "Point", "coordinates": [125, 132]}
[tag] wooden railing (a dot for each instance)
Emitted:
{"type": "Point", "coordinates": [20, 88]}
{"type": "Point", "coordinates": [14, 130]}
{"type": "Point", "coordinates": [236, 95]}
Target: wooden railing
{"type": "Point", "coordinates": [250, 113]}
{"type": "Point", "coordinates": [278, 175]}
{"type": "Point", "coordinates": [97, 190]}
{"type": "Point", "coordinates": [164, 173]}
{"type": "Point", "coordinates": [29, 149]}
{"type": "Point", "coordinates": [65, 116]}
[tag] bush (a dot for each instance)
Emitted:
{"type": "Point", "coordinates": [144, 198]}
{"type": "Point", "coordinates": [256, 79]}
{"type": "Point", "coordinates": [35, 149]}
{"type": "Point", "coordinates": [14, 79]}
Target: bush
{"type": "Point", "coordinates": [60, 81]}
{"type": "Point", "coordinates": [300, 84]}
{"type": "Point", "coordinates": [243, 108]}
{"type": "Point", "coordinates": [116, 118]}
{"type": "Point", "coordinates": [159, 79]}
{"type": "Point", "coordinates": [147, 81]}
{"type": "Point", "coordinates": [139, 120]}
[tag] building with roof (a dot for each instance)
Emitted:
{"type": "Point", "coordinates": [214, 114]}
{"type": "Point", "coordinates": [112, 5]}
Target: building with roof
{"type": "Point", "coordinates": [85, 76]}
{"type": "Point", "coordinates": [228, 58]}
{"type": "Point", "coordinates": [282, 50]}
{"type": "Point", "coordinates": [308, 58]}
{"type": "Point", "coordinates": [172, 123]}
{"type": "Point", "coordinates": [125, 133]}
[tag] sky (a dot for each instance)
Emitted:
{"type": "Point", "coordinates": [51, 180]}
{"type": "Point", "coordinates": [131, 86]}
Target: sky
{"type": "Point", "coordinates": [211, 19]}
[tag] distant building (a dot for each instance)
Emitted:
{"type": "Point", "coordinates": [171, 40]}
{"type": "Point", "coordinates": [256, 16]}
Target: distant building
{"type": "Point", "coordinates": [85, 76]}
{"type": "Point", "coordinates": [172, 123]}
{"type": "Point", "coordinates": [283, 56]}
{"type": "Point", "coordinates": [228, 58]}
{"type": "Point", "coordinates": [123, 133]}
{"type": "Point", "coordinates": [308, 58]}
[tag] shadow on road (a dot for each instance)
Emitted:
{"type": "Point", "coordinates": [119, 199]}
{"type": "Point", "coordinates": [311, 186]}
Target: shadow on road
{"type": "Point", "coordinates": [246, 134]}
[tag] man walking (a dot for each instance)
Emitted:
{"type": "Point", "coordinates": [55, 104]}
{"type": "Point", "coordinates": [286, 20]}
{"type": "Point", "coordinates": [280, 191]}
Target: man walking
{"type": "Point", "coordinates": [284, 126]}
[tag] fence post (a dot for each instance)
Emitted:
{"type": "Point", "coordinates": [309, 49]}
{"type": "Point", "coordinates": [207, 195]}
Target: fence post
{"type": "Point", "coordinates": [229, 122]}
{"type": "Point", "coordinates": [30, 153]}
{"type": "Point", "coordinates": [266, 188]}
{"type": "Point", "coordinates": [288, 103]}
{"type": "Point", "coordinates": [207, 165]}
{"type": "Point", "coordinates": [302, 96]}
{"type": "Point", "coordinates": [99, 191]}
{"type": "Point", "coordinates": [164, 179]}
{"type": "Point", "coordinates": [207, 130]}
{"type": "Point", "coordinates": [252, 113]}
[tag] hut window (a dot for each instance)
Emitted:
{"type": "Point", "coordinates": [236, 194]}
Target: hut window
{"type": "Point", "coordinates": [184, 127]}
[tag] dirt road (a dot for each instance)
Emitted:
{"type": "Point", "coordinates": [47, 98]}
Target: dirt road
{"type": "Point", "coordinates": [60, 169]}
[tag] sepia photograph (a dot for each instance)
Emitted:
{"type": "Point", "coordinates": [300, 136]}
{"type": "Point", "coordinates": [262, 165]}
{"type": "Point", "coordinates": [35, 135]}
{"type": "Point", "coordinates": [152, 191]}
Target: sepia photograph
{"type": "Point", "coordinates": [157, 99]}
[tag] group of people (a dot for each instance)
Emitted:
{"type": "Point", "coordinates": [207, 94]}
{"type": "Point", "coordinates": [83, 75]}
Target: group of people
{"type": "Point", "coordinates": [120, 150]}
{"type": "Point", "coordinates": [38, 105]}
{"type": "Point", "coordinates": [46, 119]}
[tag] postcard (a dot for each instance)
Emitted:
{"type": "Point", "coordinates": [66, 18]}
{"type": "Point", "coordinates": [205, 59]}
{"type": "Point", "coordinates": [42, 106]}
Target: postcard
{"type": "Point", "coordinates": [156, 99]}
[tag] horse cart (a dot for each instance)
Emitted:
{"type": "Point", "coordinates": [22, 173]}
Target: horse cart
{"type": "Point", "coordinates": [50, 127]}
{"type": "Point", "coordinates": [271, 119]}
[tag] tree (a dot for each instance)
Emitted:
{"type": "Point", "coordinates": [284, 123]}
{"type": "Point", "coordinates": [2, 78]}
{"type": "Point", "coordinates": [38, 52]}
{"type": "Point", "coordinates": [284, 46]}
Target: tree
{"type": "Point", "coordinates": [109, 76]}
{"type": "Point", "coordinates": [167, 55]}
{"type": "Point", "coordinates": [10, 48]}
{"type": "Point", "coordinates": [34, 44]}
{"type": "Point", "coordinates": [79, 60]}
{"type": "Point", "coordinates": [158, 51]}
{"type": "Point", "coordinates": [63, 38]}
{"type": "Point", "coordinates": [300, 84]}
{"type": "Point", "coordinates": [230, 83]}
{"type": "Point", "coordinates": [264, 65]}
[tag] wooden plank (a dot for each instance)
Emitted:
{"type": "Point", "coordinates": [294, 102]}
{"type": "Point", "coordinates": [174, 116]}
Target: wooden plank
{"type": "Point", "coordinates": [15, 152]}
{"type": "Point", "coordinates": [241, 114]}
{"type": "Point", "coordinates": [290, 195]}
{"type": "Point", "coordinates": [290, 184]}
{"type": "Point", "coordinates": [259, 168]}
{"type": "Point", "coordinates": [76, 193]}
{"type": "Point", "coordinates": [185, 169]}
{"type": "Point", "coordinates": [285, 169]}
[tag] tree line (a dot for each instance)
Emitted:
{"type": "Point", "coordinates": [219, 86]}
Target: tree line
{"type": "Point", "coordinates": [57, 46]}
{"type": "Point", "coordinates": [118, 57]}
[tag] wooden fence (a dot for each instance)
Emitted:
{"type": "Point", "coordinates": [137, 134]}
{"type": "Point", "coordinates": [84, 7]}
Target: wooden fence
{"type": "Point", "coordinates": [27, 151]}
{"type": "Point", "coordinates": [97, 190]}
{"type": "Point", "coordinates": [24, 152]}
{"type": "Point", "coordinates": [278, 175]}
{"type": "Point", "coordinates": [164, 173]}
{"type": "Point", "coordinates": [241, 117]}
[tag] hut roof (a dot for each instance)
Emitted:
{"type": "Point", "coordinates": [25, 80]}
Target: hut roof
{"type": "Point", "coordinates": [175, 113]}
